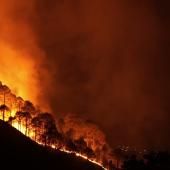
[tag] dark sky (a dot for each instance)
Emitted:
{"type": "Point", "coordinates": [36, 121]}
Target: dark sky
{"type": "Point", "coordinates": [107, 60]}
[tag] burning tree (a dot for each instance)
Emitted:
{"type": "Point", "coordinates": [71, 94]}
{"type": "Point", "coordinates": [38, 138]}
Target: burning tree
{"type": "Point", "coordinates": [4, 90]}
{"type": "Point", "coordinates": [19, 103]}
{"type": "Point", "coordinates": [45, 125]}
{"type": "Point", "coordinates": [3, 109]}
{"type": "Point", "coordinates": [10, 120]}
{"type": "Point", "coordinates": [24, 119]}
{"type": "Point", "coordinates": [83, 148]}
{"type": "Point", "coordinates": [29, 107]}
{"type": "Point", "coordinates": [84, 135]}
{"type": "Point", "coordinates": [36, 126]}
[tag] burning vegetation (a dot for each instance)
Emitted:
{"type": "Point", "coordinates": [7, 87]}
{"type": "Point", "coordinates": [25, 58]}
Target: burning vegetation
{"type": "Point", "coordinates": [70, 134]}
{"type": "Point", "coordinates": [74, 135]}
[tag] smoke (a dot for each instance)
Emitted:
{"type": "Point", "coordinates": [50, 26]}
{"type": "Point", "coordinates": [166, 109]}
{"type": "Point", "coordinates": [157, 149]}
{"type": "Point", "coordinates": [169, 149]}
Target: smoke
{"type": "Point", "coordinates": [20, 55]}
{"type": "Point", "coordinates": [105, 60]}
{"type": "Point", "coordinates": [108, 62]}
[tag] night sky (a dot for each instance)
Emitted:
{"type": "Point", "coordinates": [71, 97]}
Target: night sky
{"type": "Point", "coordinates": [107, 60]}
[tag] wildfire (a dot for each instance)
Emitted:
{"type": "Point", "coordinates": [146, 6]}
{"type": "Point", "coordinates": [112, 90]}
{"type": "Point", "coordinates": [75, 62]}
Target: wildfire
{"type": "Point", "coordinates": [31, 135]}
{"type": "Point", "coordinates": [39, 127]}
{"type": "Point", "coordinates": [20, 60]}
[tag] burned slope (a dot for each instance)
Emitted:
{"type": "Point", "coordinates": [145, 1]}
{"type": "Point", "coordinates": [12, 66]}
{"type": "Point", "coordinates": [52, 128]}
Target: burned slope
{"type": "Point", "coordinates": [19, 152]}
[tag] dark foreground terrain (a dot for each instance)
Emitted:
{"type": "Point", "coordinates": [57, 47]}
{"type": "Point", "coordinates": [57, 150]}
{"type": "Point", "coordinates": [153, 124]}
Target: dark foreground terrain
{"type": "Point", "coordinates": [19, 152]}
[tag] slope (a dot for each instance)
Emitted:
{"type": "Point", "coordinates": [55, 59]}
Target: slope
{"type": "Point", "coordinates": [19, 152]}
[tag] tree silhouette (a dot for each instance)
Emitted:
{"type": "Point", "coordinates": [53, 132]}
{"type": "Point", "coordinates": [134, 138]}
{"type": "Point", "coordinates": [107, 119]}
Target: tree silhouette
{"type": "Point", "coordinates": [24, 117]}
{"type": "Point", "coordinates": [36, 125]}
{"type": "Point", "coordinates": [10, 120]}
{"type": "Point", "coordinates": [89, 152]}
{"type": "Point", "coordinates": [3, 108]}
{"type": "Point", "coordinates": [20, 103]}
{"type": "Point", "coordinates": [27, 118]}
{"type": "Point", "coordinates": [46, 126]}
{"type": "Point", "coordinates": [81, 145]}
{"type": "Point", "coordinates": [4, 90]}
{"type": "Point", "coordinates": [18, 117]}
{"type": "Point", "coordinates": [70, 145]}
{"type": "Point", "coordinates": [28, 107]}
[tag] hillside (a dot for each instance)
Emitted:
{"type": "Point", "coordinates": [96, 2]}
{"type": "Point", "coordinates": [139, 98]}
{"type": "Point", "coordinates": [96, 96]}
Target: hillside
{"type": "Point", "coordinates": [19, 152]}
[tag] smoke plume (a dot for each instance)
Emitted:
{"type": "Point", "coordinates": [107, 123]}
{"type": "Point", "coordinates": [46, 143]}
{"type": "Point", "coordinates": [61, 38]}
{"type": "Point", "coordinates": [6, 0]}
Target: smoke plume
{"type": "Point", "coordinates": [108, 61]}
{"type": "Point", "coordinates": [20, 55]}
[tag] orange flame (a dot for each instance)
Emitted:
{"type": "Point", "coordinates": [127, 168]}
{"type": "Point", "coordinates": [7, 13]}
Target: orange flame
{"type": "Point", "coordinates": [18, 72]}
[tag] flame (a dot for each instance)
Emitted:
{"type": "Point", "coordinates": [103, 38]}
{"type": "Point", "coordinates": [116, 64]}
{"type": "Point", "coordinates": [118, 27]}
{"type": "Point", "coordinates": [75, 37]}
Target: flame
{"type": "Point", "coordinates": [19, 59]}
{"type": "Point", "coordinates": [18, 72]}
{"type": "Point", "coordinates": [22, 129]}
{"type": "Point", "coordinates": [13, 112]}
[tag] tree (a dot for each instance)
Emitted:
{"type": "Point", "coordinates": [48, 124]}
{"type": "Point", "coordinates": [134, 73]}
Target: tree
{"type": "Point", "coordinates": [27, 118]}
{"type": "Point", "coordinates": [3, 108]}
{"type": "Point", "coordinates": [28, 107]}
{"type": "Point", "coordinates": [19, 103]}
{"type": "Point", "coordinates": [81, 145]}
{"type": "Point", "coordinates": [89, 152]}
{"type": "Point", "coordinates": [23, 116]}
{"type": "Point", "coordinates": [10, 120]}
{"type": "Point", "coordinates": [18, 117]}
{"type": "Point", "coordinates": [70, 145]}
{"type": "Point", "coordinates": [36, 125]}
{"type": "Point", "coordinates": [48, 132]}
{"type": "Point", "coordinates": [4, 90]}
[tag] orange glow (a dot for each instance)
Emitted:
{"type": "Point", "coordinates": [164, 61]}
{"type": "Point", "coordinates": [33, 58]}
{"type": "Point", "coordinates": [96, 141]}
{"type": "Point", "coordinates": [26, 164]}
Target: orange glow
{"type": "Point", "coordinates": [13, 112]}
{"type": "Point", "coordinates": [7, 115]}
{"type": "Point", "coordinates": [18, 72]}
{"type": "Point", "coordinates": [22, 129]}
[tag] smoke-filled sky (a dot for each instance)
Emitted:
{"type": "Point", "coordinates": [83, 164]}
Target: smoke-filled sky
{"type": "Point", "coordinates": [107, 60]}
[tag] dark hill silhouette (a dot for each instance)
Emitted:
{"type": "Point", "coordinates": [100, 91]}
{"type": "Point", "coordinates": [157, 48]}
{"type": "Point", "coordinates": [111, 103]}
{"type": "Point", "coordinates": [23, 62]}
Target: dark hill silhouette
{"type": "Point", "coordinates": [19, 152]}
